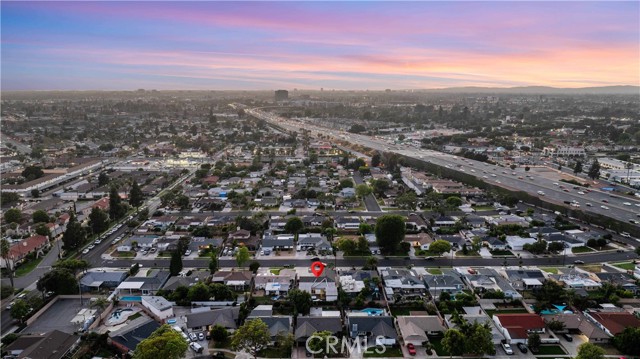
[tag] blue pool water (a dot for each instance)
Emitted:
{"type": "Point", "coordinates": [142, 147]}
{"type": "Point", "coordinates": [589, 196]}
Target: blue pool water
{"type": "Point", "coordinates": [373, 311]}
{"type": "Point", "coordinates": [131, 298]}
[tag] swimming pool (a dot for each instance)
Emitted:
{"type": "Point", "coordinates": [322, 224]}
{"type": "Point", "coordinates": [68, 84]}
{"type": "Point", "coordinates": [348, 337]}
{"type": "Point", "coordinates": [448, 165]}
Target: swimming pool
{"type": "Point", "coordinates": [119, 316]}
{"type": "Point", "coordinates": [129, 298]}
{"type": "Point", "coordinates": [373, 311]}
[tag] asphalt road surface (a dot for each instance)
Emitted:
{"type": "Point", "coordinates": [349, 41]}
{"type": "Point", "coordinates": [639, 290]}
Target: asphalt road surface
{"type": "Point", "coordinates": [369, 200]}
{"type": "Point", "coordinates": [596, 201]}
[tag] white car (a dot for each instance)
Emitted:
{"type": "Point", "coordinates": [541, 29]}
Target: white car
{"type": "Point", "coordinates": [507, 349]}
{"type": "Point", "coordinates": [85, 251]}
{"type": "Point", "coordinates": [187, 252]}
{"type": "Point", "coordinates": [626, 203]}
{"type": "Point", "coordinates": [580, 192]}
{"type": "Point", "coordinates": [604, 207]}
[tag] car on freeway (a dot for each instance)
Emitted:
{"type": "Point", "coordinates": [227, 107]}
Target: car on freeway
{"type": "Point", "coordinates": [626, 203]}
{"type": "Point", "coordinates": [411, 349]}
{"type": "Point", "coordinates": [588, 204]}
{"type": "Point", "coordinates": [604, 207]}
{"type": "Point", "coordinates": [578, 262]}
{"type": "Point", "coordinates": [580, 192]}
{"type": "Point", "coordinates": [605, 201]}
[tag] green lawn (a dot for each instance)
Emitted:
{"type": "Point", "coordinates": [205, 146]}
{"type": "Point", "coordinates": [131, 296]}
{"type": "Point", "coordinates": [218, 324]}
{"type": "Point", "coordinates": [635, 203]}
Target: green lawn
{"type": "Point", "coordinates": [274, 353]}
{"type": "Point", "coordinates": [469, 254]}
{"type": "Point", "coordinates": [551, 350]}
{"type": "Point", "coordinates": [484, 208]}
{"type": "Point", "coordinates": [501, 253]}
{"type": "Point", "coordinates": [275, 271]}
{"type": "Point", "coordinates": [582, 249]}
{"type": "Point", "coordinates": [27, 267]}
{"type": "Point", "coordinates": [130, 254]}
{"type": "Point", "coordinates": [434, 271]}
{"type": "Point", "coordinates": [625, 265]}
{"type": "Point", "coordinates": [436, 343]}
{"type": "Point", "coordinates": [550, 270]}
{"type": "Point", "coordinates": [263, 300]}
{"type": "Point", "coordinates": [388, 353]}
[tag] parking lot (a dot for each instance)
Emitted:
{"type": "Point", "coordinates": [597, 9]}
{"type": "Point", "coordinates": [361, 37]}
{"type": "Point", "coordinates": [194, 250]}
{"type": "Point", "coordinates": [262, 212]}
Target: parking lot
{"type": "Point", "coordinates": [59, 317]}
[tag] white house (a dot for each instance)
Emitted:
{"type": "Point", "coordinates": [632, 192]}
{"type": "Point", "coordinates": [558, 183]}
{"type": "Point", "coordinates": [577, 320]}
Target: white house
{"type": "Point", "coordinates": [159, 306]}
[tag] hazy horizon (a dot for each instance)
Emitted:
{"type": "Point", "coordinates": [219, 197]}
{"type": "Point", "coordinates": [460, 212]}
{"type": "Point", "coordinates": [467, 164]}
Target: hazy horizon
{"type": "Point", "coordinates": [247, 46]}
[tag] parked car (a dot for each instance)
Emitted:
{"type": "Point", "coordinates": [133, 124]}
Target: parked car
{"type": "Point", "coordinates": [568, 337]}
{"type": "Point", "coordinates": [507, 349]}
{"type": "Point", "coordinates": [411, 349]}
{"type": "Point", "coordinates": [196, 347]}
{"type": "Point", "coordinates": [522, 347]}
{"type": "Point", "coordinates": [193, 337]}
{"type": "Point", "coordinates": [578, 262]}
{"type": "Point", "coordinates": [200, 336]}
{"type": "Point", "coordinates": [187, 252]}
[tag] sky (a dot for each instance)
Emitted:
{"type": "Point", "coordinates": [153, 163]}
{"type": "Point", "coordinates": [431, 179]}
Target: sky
{"type": "Point", "coordinates": [311, 45]}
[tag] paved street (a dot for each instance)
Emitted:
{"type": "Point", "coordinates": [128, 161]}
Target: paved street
{"type": "Point", "coordinates": [369, 200]}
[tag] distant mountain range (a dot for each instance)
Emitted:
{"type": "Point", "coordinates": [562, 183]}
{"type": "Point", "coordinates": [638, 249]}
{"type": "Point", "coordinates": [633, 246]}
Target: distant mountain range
{"type": "Point", "coordinates": [541, 90]}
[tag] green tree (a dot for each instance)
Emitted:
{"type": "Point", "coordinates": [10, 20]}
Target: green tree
{"type": "Point", "coordinates": [407, 200]}
{"type": "Point", "coordinates": [198, 292]}
{"type": "Point", "coordinates": [43, 230]}
{"type": "Point", "coordinates": [453, 202]}
{"type": "Point", "coordinates": [439, 247]}
{"type": "Point", "coordinates": [164, 343]}
{"type": "Point", "coordinates": [294, 225]}
{"type": "Point", "coordinates": [5, 248]}
{"type": "Point", "coordinates": [594, 170]}
{"type": "Point", "coordinates": [103, 179]}
{"type": "Point", "coordinates": [578, 167]}
{"type": "Point", "coordinates": [74, 236]}
{"type": "Point", "coordinates": [100, 303]}
{"type": "Point", "coordinates": [182, 201]}
{"type": "Point", "coordinates": [31, 173]}
{"type": "Point", "coordinates": [98, 220]}
{"type": "Point", "coordinates": [346, 183]}
{"type": "Point", "coordinates": [116, 207]}
{"type": "Point", "coordinates": [13, 215]}
{"type": "Point", "coordinates": [454, 342]}
{"type": "Point", "coordinates": [242, 256]}
{"type": "Point", "coordinates": [301, 301]}
{"type": "Point", "coordinates": [318, 342]}
{"type": "Point", "coordinates": [213, 262]}
{"type": "Point", "coordinates": [221, 292]}
{"type": "Point", "coordinates": [479, 340]}
{"type": "Point", "coordinates": [534, 342]}
{"type": "Point", "coordinates": [375, 159]}
{"type": "Point", "coordinates": [346, 245]}
{"type": "Point", "coordinates": [136, 198]}
{"type": "Point", "coordinates": [59, 280]}
{"type": "Point", "coordinates": [362, 190]}
{"type": "Point", "coordinates": [628, 341]}
{"type": "Point", "coordinates": [175, 265]}
{"type": "Point", "coordinates": [254, 267]}
{"type": "Point", "coordinates": [252, 337]}
{"type": "Point", "coordinates": [590, 351]}
{"type": "Point", "coordinates": [219, 333]}
{"type": "Point", "coordinates": [40, 216]}
{"type": "Point", "coordinates": [20, 309]}
{"type": "Point", "coordinates": [73, 265]}
{"type": "Point", "coordinates": [390, 231]}
{"type": "Point", "coordinates": [7, 198]}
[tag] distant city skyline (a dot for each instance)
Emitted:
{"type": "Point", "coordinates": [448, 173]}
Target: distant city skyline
{"type": "Point", "coordinates": [313, 45]}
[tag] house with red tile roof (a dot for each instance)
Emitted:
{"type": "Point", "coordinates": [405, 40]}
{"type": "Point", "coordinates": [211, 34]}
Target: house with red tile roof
{"type": "Point", "coordinates": [612, 323]}
{"type": "Point", "coordinates": [19, 250]}
{"type": "Point", "coordinates": [517, 327]}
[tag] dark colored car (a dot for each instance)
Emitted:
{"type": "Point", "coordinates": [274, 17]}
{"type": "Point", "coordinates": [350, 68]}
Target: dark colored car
{"type": "Point", "coordinates": [522, 347]}
{"type": "Point", "coordinates": [568, 337]}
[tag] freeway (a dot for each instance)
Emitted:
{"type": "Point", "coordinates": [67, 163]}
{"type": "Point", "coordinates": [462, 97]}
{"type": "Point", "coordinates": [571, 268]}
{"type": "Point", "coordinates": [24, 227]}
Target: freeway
{"type": "Point", "coordinates": [595, 200]}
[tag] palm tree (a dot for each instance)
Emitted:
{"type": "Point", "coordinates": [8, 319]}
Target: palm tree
{"type": "Point", "coordinates": [100, 303]}
{"type": "Point", "coordinates": [5, 248]}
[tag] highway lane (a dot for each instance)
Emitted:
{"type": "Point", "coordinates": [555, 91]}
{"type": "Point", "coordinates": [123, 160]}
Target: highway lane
{"type": "Point", "coordinates": [500, 176]}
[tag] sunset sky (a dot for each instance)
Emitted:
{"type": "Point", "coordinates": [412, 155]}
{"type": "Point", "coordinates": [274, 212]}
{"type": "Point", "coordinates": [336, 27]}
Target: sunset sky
{"type": "Point", "coordinates": [309, 45]}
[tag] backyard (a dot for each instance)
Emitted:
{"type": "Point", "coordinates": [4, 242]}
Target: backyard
{"type": "Point", "coordinates": [550, 350]}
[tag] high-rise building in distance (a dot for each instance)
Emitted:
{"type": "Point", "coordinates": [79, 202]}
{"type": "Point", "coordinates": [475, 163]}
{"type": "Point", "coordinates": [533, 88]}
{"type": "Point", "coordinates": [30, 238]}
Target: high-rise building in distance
{"type": "Point", "coordinates": [282, 95]}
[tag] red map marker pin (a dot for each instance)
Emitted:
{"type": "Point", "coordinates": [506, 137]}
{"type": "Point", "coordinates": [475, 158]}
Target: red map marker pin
{"type": "Point", "coordinates": [317, 268]}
